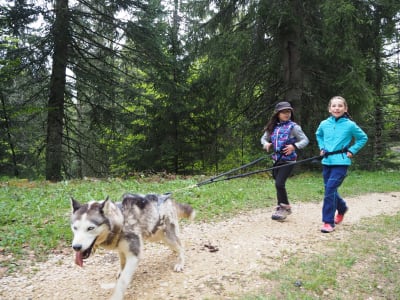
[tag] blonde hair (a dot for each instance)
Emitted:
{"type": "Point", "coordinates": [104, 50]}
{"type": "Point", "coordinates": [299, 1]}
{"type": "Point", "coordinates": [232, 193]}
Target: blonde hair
{"type": "Point", "coordinates": [344, 102]}
{"type": "Point", "coordinates": [338, 98]}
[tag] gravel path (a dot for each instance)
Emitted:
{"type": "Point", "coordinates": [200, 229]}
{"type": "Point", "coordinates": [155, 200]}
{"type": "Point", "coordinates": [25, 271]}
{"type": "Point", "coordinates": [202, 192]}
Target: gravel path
{"type": "Point", "coordinates": [222, 258]}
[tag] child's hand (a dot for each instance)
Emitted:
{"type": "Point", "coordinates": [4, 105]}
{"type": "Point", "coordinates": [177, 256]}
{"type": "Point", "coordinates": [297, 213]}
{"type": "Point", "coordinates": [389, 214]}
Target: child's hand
{"type": "Point", "coordinates": [267, 146]}
{"type": "Point", "coordinates": [349, 154]}
{"type": "Point", "coordinates": [288, 149]}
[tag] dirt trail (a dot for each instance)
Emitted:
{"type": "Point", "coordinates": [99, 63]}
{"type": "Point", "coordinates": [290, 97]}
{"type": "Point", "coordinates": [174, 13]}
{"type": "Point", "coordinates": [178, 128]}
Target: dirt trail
{"type": "Point", "coordinates": [248, 245]}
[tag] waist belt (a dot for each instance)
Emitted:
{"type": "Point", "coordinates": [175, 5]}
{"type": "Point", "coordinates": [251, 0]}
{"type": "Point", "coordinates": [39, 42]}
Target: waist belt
{"type": "Point", "coordinates": [344, 150]}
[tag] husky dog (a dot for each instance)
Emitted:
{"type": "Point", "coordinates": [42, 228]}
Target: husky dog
{"type": "Point", "coordinates": [123, 226]}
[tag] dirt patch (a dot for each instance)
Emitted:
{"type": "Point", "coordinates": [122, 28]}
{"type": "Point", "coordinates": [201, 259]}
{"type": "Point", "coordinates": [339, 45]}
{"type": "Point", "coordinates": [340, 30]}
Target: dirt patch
{"type": "Point", "coordinates": [222, 258]}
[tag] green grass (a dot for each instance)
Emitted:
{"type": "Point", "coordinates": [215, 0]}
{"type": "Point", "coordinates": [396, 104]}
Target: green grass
{"type": "Point", "coordinates": [34, 216]}
{"type": "Point", "coordinates": [365, 266]}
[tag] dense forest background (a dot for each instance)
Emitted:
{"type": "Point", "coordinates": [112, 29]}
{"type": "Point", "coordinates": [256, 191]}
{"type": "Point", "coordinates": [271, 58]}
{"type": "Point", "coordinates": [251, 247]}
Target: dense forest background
{"type": "Point", "coordinates": [111, 88]}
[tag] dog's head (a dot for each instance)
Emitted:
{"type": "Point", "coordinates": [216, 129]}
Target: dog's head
{"type": "Point", "coordinates": [92, 224]}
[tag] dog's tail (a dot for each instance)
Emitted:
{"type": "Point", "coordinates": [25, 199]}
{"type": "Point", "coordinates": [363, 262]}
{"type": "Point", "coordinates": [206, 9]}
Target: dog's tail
{"type": "Point", "coordinates": [185, 211]}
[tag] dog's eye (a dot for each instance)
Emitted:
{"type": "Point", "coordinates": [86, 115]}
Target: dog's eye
{"type": "Point", "coordinates": [90, 228]}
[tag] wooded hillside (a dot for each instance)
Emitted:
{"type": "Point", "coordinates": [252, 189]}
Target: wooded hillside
{"type": "Point", "coordinates": [110, 88]}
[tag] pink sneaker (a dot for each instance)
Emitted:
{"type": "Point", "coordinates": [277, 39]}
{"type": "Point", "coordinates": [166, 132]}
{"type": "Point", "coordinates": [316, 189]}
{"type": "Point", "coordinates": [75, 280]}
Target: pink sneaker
{"type": "Point", "coordinates": [339, 217]}
{"type": "Point", "coordinates": [327, 228]}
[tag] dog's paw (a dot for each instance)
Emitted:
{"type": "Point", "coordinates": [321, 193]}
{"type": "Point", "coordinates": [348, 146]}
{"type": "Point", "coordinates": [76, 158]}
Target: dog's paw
{"type": "Point", "coordinates": [178, 268]}
{"type": "Point", "coordinates": [107, 286]}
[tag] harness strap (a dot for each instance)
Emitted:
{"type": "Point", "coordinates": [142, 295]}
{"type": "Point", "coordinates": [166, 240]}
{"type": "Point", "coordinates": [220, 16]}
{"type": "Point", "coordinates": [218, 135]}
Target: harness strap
{"type": "Point", "coordinates": [344, 150]}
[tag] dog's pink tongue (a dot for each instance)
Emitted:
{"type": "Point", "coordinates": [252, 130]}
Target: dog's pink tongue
{"type": "Point", "coordinates": [79, 258]}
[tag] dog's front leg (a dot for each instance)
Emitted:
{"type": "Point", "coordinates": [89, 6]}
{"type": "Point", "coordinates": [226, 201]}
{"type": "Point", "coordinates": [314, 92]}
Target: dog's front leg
{"type": "Point", "coordinates": [125, 277]}
{"type": "Point", "coordinates": [172, 240]}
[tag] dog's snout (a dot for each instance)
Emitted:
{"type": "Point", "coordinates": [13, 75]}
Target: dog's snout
{"type": "Point", "coordinates": [77, 247]}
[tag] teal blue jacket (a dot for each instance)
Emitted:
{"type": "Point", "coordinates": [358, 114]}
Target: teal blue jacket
{"type": "Point", "coordinates": [337, 134]}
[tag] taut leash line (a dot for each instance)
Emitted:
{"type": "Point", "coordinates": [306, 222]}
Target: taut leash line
{"type": "Point", "coordinates": [218, 178]}
{"type": "Point", "coordinates": [273, 168]}
{"type": "Point", "coordinates": [212, 179]}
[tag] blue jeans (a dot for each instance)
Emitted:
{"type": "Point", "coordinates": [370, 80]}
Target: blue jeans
{"type": "Point", "coordinates": [333, 178]}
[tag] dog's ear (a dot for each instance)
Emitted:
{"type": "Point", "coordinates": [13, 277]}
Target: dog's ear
{"type": "Point", "coordinates": [105, 205]}
{"type": "Point", "coordinates": [164, 197]}
{"type": "Point", "coordinates": [111, 211]}
{"type": "Point", "coordinates": [75, 205]}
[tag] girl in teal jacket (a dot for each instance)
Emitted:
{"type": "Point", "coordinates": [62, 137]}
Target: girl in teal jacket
{"type": "Point", "coordinates": [335, 137]}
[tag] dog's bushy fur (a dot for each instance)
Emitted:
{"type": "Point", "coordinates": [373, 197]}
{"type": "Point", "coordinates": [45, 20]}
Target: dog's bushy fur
{"type": "Point", "coordinates": [123, 226]}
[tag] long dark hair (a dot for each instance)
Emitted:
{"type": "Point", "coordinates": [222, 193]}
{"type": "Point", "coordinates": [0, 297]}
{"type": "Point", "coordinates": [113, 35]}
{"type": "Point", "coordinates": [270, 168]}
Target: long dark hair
{"type": "Point", "coordinates": [274, 121]}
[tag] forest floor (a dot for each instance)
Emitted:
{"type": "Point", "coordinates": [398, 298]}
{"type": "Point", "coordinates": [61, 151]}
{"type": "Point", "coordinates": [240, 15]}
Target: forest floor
{"type": "Point", "coordinates": [244, 247]}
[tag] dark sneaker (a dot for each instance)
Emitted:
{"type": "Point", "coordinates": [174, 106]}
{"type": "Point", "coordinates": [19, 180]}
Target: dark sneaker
{"type": "Point", "coordinates": [327, 228]}
{"type": "Point", "coordinates": [281, 212]}
{"type": "Point", "coordinates": [339, 217]}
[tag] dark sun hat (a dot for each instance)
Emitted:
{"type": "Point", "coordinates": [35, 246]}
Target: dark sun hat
{"type": "Point", "coordinates": [282, 106]}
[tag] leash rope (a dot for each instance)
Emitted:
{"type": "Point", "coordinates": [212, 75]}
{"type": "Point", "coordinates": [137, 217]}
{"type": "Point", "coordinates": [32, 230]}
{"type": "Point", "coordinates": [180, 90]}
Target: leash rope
{"type": "Point", "coordinates": [273, 168]}
{"type": "Point", "coordinates": [218, 178]}
{"type": "Point", "coordinates": [212, 179]}
{"type": "Point", "coordinates": [182, 189]}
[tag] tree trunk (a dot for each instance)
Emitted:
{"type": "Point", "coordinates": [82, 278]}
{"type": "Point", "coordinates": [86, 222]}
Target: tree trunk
{"type": "Point", "coordinates": [293, 75]}
{"type": "Point", "coordinates": [175, 116]}
{"type": "Point", "coordinates": [379, 102]}
{"type": "Point", "coordinates": [9, 137]}
{"type": "Point", "coordinates": [56, 95]}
